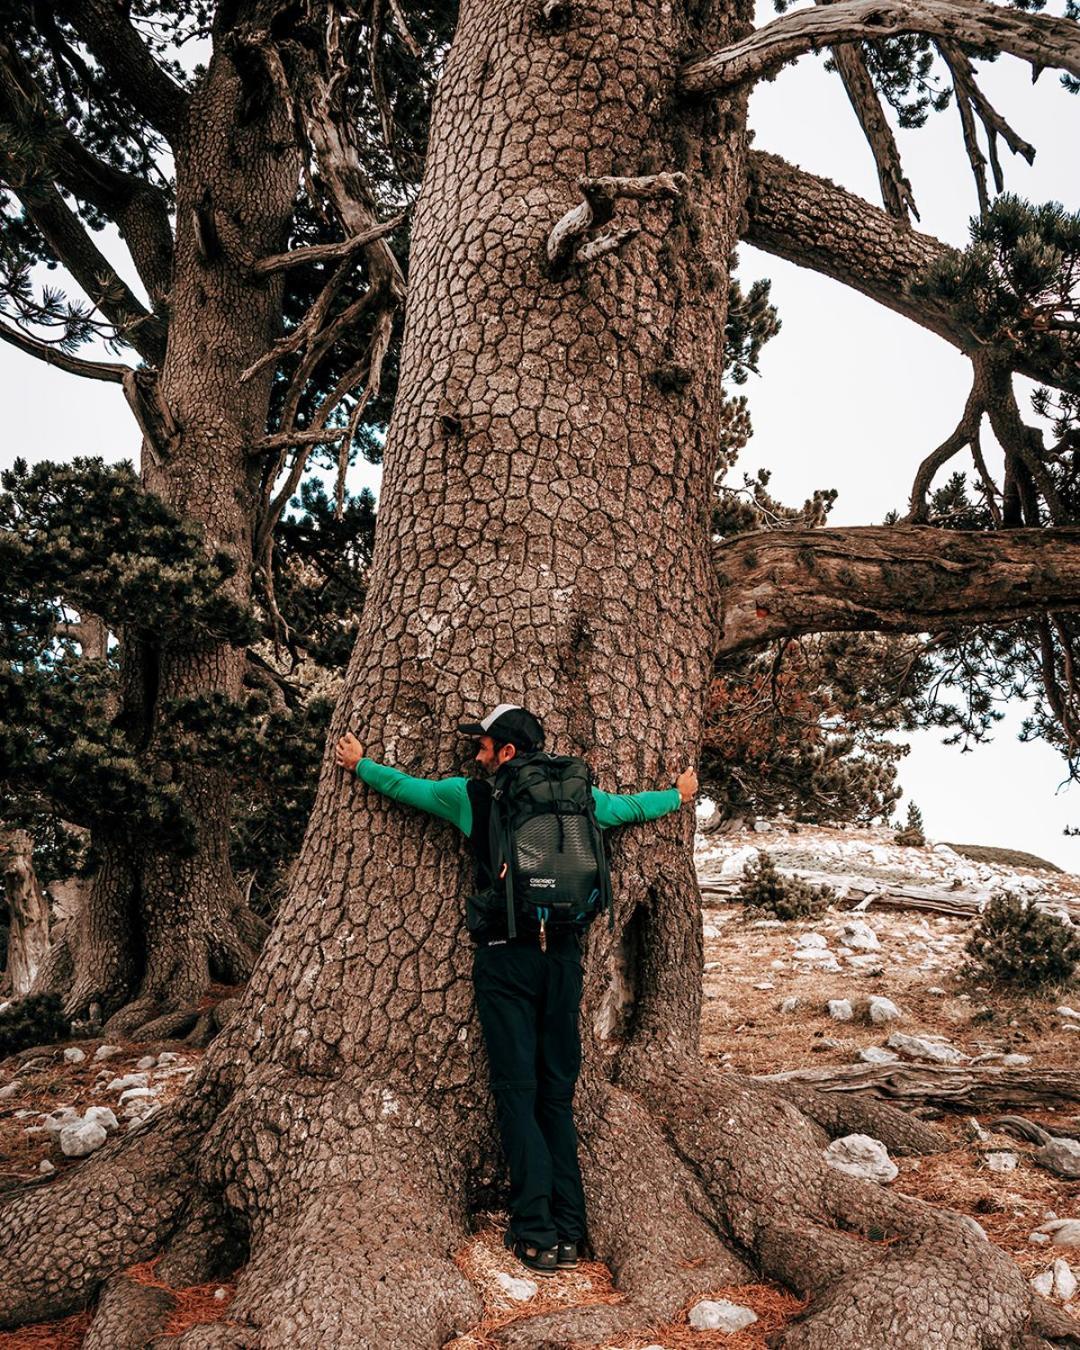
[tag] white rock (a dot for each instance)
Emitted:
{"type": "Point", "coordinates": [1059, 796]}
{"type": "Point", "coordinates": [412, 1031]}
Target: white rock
{"type": "Point", "coordinates": [103, 1116]}
{"type": "Point", "coordinates": [733, 864]}
{"type": "Point", "coordinates": [136, 1094]}
{"type": "Point", "coordinates": [45, 1167]}
{"type": "Point", "coordinates": [765, 985]}
{"type": "Point", "coordinates": [81, 1138]}
{"type": "Point", "coordinates": [720, 1315]}
{"type": "Point", "coordinates": [1064, 1279]}
{"type": "Point", "coordinates": [1015, 1061]}
{"type": "Point", "coordinates": [859, 1155]}
{"type": "Point", "coordinates": [1060, 1156]}
{"type": "Point", "coordinates": [1002, 1162]}
{"type": "Point", "coordinates": [791, 1004]}
{"type": "Point", "coordinates": [129, 1080]}
{"type": "Point", "coordinates": [840, 1010]}
{"type": "Point", "coordinates": [168, 1057]}
{"type": "Point", "coordinates": [6, 1093]}
{"type": "Point", "coordinates": [920, 1047]}
{"type": "Point", "coordinates": [73, 1055]}
{"type": "Point", "coordinates": [877, 1054]}
{"type": "Point", "coordinates": [1062, 1232]}
{"type": "Point", "coordinates": [59, 1119]}
{"type": "Point", "coordinates": [810, 941]}
{"type": "Point", "coordinates": [515, 1288]}
{"type": "Point", "coordinates": [1066, 1011]}
{"type": "Point", "coordinates": [858, 933]}
{"type": "Point", "coordinates": [1043, 1284]}
{"type": "Point", "coordinates": [221, 1294]}
{"type": "Point", "coordinates": [884, 1010]}
{"type": "Point", "coordinates": [1039, 1237]}
{"type": "Point", "coordinates": [147, 1062]}
{"type": "Point", "coordinates": [107, 1052]}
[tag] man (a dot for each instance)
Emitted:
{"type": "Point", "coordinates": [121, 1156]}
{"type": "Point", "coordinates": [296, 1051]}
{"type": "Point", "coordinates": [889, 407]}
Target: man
{"type": "Point", "coordinates": [528, 989]}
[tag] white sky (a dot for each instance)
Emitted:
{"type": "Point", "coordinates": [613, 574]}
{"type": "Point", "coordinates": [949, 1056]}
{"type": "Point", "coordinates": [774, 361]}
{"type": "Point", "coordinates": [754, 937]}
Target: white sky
{"type": "Point", "coordinates": [852, 396]}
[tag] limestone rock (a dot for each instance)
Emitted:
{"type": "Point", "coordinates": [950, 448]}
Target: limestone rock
{"type": "Point", "coordinates": [1060, 1156]}
{"type": "Point", "coordinates": [1064, 1279]}
{"type": "Point", "coordinates": [1044, 1283]}
{"type": "Point", "coordinates": [720, 1315]}
{"type": "Point", "coordinates": [81, 1138]}
{"type": "Point", "coordinates": [73, 1055]}
{"type": "Point", "coordinates": [921, 1047]}
{"type": "Point", "coordinates": [129, 1080]}
{"type": "Point", "coordinates": [1061, 1232]}
{"type": "Point", "coordinates": [515, 1288]}
{"type": "Point", "coordinates": [6, 1093]}
{"type": "Point", "coordinates": [107, 1052]}
{"type": "Point", "coordinates": [877, 1054]}
{"type": "Point", "coordinates": [858, 1155]}
{"type": "Point", "coordinates": [103, 1116]}
{"type": "Point", "coordinates": [840, 1010]}
{"type": "Point", "coordinates": [883, 1010]}
{"type": "Point", "coordinates": [1002, 1161]}
{"type": "Point", "coordinates": [858, 933]}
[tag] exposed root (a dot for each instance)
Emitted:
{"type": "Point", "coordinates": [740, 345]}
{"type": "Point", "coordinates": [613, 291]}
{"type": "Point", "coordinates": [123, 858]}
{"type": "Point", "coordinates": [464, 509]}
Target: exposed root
{"type": "Point", "coordinates": [129, 1315]}
{"type": "Point", "coordinates": [58, 1244]}
{"type": "Point", "coordinates": [841, 1113]}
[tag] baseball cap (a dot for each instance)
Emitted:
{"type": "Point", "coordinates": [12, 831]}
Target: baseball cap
{"type": "Point", "coordinates": [508, 722]}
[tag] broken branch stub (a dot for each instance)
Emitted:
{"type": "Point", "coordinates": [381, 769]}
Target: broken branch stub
{"type": "Point", "coordinates": [568, 242]}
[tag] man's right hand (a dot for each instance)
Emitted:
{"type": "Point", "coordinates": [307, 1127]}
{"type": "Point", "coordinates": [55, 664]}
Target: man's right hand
{"type": "Point", "coordinates": [349, 752]}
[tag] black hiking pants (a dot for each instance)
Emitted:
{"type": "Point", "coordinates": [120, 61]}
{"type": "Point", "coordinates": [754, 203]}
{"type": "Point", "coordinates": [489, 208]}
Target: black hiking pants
{"type": "Point", "coordinates": [528, 1002]}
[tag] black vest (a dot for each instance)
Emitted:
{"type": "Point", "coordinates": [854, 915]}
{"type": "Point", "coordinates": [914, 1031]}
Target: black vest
{"type": "Point", "coordinates": [479, 791]}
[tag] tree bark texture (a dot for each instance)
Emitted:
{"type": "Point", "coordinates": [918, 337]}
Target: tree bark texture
{"type": "Point", "coordinates": [543, 537]}
{"type": "Point", "coordinates": [28, 914]}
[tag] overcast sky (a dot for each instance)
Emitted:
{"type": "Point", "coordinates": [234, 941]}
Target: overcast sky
{"type": "Point", "coordinates": [851, 396]}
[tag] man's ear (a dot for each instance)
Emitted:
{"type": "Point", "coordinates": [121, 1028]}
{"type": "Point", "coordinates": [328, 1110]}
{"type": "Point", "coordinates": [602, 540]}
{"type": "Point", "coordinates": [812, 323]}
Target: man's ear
{"type": "Point", "coordinates": [513, 751]}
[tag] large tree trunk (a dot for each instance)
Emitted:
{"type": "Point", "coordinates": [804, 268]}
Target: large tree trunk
{"type": "Point", "coordinates": [160, 924]}
{"type": "Point", "coordinates": [544, 537]}
{"type": "Point", "coordinates": [28, 914]}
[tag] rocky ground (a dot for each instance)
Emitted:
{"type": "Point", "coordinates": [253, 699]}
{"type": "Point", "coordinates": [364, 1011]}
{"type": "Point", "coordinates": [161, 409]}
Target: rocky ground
{"type": "Point", "coordinates": [778, 997]}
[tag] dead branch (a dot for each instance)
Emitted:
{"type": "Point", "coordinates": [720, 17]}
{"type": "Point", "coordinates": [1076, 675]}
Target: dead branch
{"type": "Point", "coordinates": [153, 414]}
{"type": "Point", "coordinates": [318, 253]}
{"type": "Point", "coordinates": [567, 241]}
{"type": "Point", "coordinates": [286, 439]}
{"type": "Point", "coordinates": [966, 432]}
{"type": "Point", "coordinates": [896, 192]}
{"type": "Point", "coordinates": [1044, 41]}
{"type": "Point", "coordinates": [972, 102]}
{"type": "Point", "coordinates": [949, 1087]}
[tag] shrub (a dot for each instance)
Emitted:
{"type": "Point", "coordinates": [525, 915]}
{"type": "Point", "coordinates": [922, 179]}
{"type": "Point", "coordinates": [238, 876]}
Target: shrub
{"type": "Point", "coordinates": [37, 1019]}
{"type": "Point", "coordinates": [1017, 945]}
{"type": "Point", "coordinates": [764, 888]}
{"type": "Point", "coordinates": [912, 833]}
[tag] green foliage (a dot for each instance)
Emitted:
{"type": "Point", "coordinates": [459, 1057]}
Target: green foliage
{"type": "Point", "coordinates": [1017, 284]}
{"type": "Point", "coordinates": [37, 1019]}
{"type": "Point", "coordinates": [912, 834]}
{"type": "Point", "coordinates": [751, 321]}
{"type": "Point", "coordinates": [1016, 945]}
{"type": "Point", "coordinates": [764, 888]}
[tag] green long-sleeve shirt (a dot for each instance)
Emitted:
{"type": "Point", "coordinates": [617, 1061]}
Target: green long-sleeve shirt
{"type": "Point", "coordinates": [448, 798]}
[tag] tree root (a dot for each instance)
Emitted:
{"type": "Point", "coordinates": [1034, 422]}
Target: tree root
{"type": "Point", "coordinates": [882, 1269]}
{"type": "Point", "coordinates": [58, 1244]}
{"type": "Point", "coordinates": [128, 1316]}
{"type": "Point", "coordinates": [840, 1113]}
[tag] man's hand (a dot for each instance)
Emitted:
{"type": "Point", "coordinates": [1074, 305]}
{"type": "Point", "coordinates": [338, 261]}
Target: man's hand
{"type": "Point", "coordinates": [687, 784]}
{"type": "Point", "coordinates": [350, 752]}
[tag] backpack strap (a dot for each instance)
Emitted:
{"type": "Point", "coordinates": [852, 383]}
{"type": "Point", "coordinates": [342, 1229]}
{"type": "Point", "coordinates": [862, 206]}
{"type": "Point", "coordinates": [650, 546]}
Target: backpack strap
{"type": "Point", "coordinates": [500, 863]}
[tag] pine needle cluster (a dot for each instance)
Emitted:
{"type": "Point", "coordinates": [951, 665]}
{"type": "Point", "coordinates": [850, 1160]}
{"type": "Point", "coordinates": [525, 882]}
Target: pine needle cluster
{"type": "Point", "coordinates": [767, 890]}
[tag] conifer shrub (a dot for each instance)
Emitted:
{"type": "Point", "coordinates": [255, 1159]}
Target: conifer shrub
{"type": "Point", "coordinates": [764, 888]}
{"type": "Point", "coordinates": [912, 834]}
{"type": "Point", "coordinates": [37, 1019]}
{"type": "Point", "coordinates": [1018, 946]}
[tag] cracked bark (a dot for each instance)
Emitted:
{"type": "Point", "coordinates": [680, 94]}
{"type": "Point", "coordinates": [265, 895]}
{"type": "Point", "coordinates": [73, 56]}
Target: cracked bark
{"type": "Point", "coordinates": [543, 536]}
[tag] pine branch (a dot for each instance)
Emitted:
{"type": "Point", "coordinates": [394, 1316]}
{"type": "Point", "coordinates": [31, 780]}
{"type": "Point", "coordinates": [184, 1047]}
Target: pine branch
{"type": "Point", "coordinates": [54, 356]}
{"type": "Point", "coordinates": [896, 191]}
{"type": "Point", "coordinates": [117, 46]}
{"type": "Point", "coordinates": [898, 578]}
{"type": "Point", "coordinates": [1041, 39]}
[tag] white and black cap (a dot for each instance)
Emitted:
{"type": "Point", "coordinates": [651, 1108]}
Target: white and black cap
{"type": "Point", "coordinates": [508, 722]}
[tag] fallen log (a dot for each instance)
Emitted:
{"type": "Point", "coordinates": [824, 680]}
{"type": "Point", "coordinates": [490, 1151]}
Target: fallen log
{"type": "Point", "coordinates": [949, 1087]}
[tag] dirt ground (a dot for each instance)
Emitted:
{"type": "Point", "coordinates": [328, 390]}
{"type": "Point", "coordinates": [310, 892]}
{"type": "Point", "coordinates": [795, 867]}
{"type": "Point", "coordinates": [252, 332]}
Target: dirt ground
{"type": "Point", "coordinates": [751, 968]}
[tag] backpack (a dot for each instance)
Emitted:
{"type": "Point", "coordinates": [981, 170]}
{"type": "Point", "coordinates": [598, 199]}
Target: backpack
{"type": "Point", "coordinates": [546, 848]}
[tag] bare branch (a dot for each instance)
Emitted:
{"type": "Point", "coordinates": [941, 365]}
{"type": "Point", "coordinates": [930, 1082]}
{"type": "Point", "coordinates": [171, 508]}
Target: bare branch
{"type": "Point", "coordinates": [817, 225]}
{"type": "Point", "coordinates": [154, 416]}
{"type": "Point", "coordinates": [53, 356]}
{"type": "Point", "coordinates": [318, 253]}
{"type": "Point", "coordinates": [118, 47]}
{"type": "Point", "coordinates": [898, 578]}
{"type": "Point", "coordinates": [1044, 41]}
{"type": "Point", "coordinates": [970, 101]}
{"type": "Point", "coordinates": [896, 191]}
{"type": "Point", "coordinates": [311, 436]}
{"type": "Point", "coordinates": [567, 240]}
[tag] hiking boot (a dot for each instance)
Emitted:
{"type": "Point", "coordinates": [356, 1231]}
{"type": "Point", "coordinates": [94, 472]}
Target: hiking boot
{"type": "Point", "coordinates": [540, 1260]}
{"type": "Point", "coordinates": [566, 1256]}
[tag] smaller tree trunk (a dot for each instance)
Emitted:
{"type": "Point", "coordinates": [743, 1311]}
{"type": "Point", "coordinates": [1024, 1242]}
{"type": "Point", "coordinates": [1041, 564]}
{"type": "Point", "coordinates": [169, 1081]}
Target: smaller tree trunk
{"type": "Point", "coordinates": [28, 940]}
